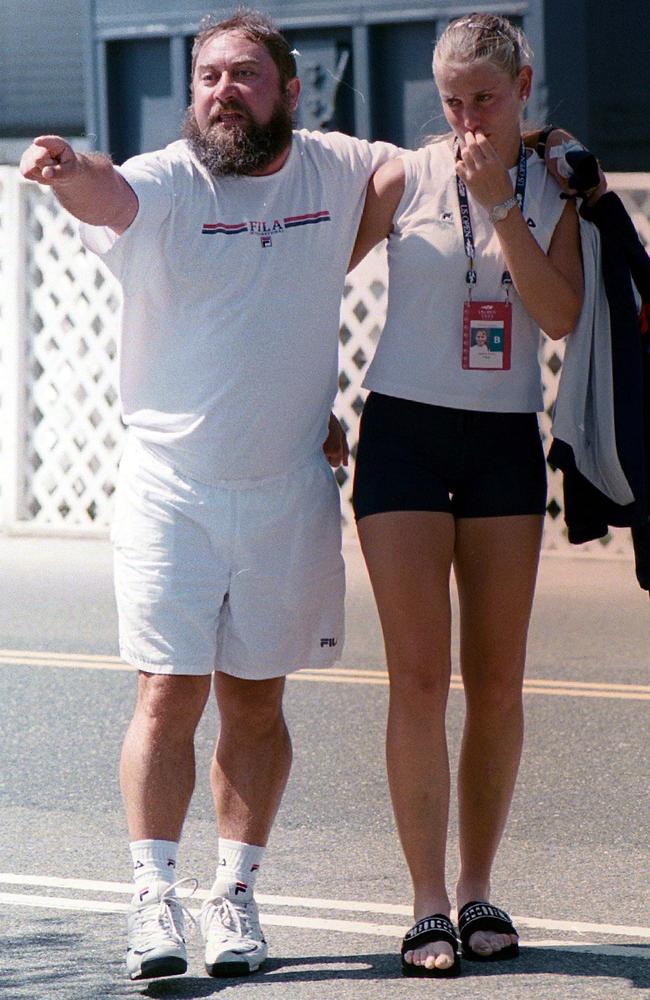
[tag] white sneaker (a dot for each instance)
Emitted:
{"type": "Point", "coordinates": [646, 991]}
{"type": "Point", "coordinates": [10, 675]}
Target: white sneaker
{"type": "Point", "coordinates": [156, 929]}
{"type": "Point", "coordinates": [234, 942]}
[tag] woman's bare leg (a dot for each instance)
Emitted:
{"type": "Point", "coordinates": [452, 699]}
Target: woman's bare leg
{"type": "Point", "coordinates": [495, 563]}
{"type": "Point", "coordinates": [409, 554]}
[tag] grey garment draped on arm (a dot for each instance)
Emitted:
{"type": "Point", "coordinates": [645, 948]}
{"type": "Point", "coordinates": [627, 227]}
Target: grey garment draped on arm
{"type": "Point", "coordinates": [583, 415]}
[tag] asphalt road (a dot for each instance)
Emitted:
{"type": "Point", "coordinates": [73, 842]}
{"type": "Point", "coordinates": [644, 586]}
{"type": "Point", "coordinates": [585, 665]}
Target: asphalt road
{"type": "Point", "coordinates": [334, 890]}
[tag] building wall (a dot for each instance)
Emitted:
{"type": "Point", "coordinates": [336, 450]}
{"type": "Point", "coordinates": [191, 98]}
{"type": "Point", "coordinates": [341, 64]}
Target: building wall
{"type": "Point", "coordinates": [117, 69]}
{"type": "Point", "coordinates": [618, 43]}
{"type": "Point", "coordinates": [41, 67]}
{"type": "Point", "coordinates": [365, 66]}
{"type": "Point", "coordinates": [598, 69]}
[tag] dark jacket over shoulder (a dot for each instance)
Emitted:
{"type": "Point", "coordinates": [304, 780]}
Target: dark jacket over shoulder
{"type": "Point", "coordinates": [588, 512]}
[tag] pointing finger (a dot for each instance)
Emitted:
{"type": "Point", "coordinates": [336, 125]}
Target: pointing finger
{"type": "Point", "coordinates": [53, 143]}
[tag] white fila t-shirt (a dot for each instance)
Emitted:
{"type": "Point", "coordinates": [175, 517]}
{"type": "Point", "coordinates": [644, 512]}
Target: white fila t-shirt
{"type": "Point", "coordinates": [419, 356]}
{"type": "Point", "coordinates": [232, 290]}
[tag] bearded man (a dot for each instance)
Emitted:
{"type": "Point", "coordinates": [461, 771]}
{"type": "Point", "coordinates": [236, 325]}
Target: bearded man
{"type": "Point", "coordinates": [231, 246]}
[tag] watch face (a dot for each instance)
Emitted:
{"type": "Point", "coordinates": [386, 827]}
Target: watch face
{"type": "Point", "coordinates": [499, 212]}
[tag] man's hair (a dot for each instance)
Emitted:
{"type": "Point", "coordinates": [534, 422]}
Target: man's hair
{"type": "Point", "coordinates": [255, 26]}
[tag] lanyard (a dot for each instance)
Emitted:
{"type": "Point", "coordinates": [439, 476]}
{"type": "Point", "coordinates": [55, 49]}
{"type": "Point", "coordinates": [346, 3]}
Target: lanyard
{"type": "Point", "coordinates": [466, 221]}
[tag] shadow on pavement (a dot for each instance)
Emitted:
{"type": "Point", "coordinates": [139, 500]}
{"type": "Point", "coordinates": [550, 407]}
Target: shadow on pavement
{"type": "Point", "coordinates": [44, 948]}
{"type": "Point", "coordinates": [308, 969]}
{"type": "Point", "coordinates": [379, 967]}
{"type": "Point", "coordinates": [564, 961]}
{"type": "Point", "coordinates": [182, 986]}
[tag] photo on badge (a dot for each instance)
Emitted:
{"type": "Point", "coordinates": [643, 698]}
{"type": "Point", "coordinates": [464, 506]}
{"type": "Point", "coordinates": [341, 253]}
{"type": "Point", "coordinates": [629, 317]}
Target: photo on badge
{"type": "Point", "coordinates": [486, 346]}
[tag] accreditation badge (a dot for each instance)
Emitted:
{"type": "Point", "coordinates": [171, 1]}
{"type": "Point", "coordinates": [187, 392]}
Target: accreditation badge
{"type": "Point", "coordinates": [487, 335]}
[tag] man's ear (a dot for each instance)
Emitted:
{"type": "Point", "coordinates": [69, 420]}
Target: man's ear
{"type": "Point", "coordinates": [293, 93]}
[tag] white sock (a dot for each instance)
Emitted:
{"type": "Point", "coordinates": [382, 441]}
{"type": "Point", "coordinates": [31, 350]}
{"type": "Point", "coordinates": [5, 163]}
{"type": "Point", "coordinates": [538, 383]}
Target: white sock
{"type": "Point", "coordinates": [237, 869]}
{"type": "Point", "coordinates": [153, 859]}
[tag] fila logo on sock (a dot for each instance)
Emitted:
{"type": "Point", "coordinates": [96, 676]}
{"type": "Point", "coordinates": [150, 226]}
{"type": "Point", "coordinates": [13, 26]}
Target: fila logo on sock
{"type": "Point", "coordinates": [255, 868]}
{"type": "Point", "coordinates": [240, 887]}
{"type": "Point", "coordinates": [138, 864]}
{"type": "Point", "coordinates": [171, 863]}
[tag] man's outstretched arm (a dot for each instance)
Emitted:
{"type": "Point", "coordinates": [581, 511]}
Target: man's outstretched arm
{"type": "Point", "coordinates": [86, 184]}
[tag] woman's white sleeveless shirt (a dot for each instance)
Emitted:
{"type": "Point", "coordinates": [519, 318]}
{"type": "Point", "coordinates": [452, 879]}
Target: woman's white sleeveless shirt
{"type": "Point", "coordinates": [420, 350]}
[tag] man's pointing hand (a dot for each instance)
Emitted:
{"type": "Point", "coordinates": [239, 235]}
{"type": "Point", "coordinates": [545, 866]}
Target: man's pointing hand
{"type": "Point", "coordinates": [49, 160]}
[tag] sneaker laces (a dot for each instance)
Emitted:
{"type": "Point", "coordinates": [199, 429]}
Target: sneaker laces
{"type": "Point", "coordinates": [163, 917]}
{"type": "Point", "coordinates": [236, 921]}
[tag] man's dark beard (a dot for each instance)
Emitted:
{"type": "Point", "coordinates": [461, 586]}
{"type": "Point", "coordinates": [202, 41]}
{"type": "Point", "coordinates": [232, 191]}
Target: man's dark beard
{"type": "Point", "coordinates": [241, 149]}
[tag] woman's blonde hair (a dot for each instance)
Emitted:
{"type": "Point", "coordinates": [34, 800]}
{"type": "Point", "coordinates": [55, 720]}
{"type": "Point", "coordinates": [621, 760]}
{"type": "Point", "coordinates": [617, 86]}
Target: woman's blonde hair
{"type": "Point", "coordinates": [483, 36]}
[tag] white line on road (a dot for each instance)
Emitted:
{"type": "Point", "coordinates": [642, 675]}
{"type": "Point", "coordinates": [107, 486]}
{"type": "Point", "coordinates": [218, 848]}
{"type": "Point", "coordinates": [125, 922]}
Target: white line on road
{"type": "Point", "coordinates": [298, 902]}
{"type": "Point", "coordinates": [317, 923]}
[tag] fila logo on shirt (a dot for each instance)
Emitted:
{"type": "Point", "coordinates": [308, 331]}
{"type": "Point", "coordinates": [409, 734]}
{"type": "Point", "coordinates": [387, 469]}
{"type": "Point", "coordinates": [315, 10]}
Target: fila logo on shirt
{"type": "Point", "coordinates": [264, 229]}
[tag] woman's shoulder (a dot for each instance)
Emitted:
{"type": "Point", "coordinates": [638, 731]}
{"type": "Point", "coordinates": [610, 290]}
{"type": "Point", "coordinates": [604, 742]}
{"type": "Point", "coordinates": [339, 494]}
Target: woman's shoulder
{"type": "Point", "coordinates": [434, 160]}
{"type": "Point", "coordinates": [436, 150]}
{"type": "Point", "coordinates": [539, 172]}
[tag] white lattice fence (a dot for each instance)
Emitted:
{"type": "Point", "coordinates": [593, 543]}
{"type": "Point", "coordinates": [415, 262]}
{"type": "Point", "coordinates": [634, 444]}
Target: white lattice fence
{"type": "Point", "coordinates": [72, 421]}
{"type": "Point", "coordinates": [61, 432]}
{"type": "Point", "coordinates": [61, 426]}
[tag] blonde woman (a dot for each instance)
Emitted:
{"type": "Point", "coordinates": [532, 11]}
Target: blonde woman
{"type": "Point", "coordinates": [450, 467]}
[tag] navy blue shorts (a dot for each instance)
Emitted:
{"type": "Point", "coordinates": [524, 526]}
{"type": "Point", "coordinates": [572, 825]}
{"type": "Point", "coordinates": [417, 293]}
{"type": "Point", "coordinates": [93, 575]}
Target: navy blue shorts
{"type": "Point", "coordinates": [469, 463]}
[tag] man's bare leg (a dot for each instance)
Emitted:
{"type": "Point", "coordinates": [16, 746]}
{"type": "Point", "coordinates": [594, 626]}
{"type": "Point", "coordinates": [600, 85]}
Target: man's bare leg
{"type": "Point", "coordinates": [250, 769]}
{"type": "Point", "coordinates": [157, 769]}
{"type": "Point", "coordinates": [157, 777]}
{"type": "Point", "coordinates": [252, 759]}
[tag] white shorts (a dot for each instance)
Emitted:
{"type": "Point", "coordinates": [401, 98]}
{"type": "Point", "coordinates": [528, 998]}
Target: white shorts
{"type": "Point", "coordinates": [248, 579]}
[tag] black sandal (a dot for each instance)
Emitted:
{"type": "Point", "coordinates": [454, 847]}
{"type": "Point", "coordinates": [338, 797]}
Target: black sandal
{"type": "Point", "coordinates": [477, 916]}
{"type": "Point", "coordinates": [435, 928]}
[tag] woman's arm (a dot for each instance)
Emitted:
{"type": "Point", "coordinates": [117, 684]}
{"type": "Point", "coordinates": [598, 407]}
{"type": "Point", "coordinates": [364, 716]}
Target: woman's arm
{"type": "Point", "coordinates": [549, 285]}
{"type": "Point", "coordinates": [385, 189]}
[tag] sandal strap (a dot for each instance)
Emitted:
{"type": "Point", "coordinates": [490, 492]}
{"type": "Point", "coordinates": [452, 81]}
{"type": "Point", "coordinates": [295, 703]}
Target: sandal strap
{"type": "Point", "coordinates": [437, 927]}
{"type": "Point", "coordinates": [478, 916]}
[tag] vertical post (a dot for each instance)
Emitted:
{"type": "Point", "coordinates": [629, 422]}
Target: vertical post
{"type": "Point", "coordinates": [103, 113]}
{"type": "Point", "coordinates": [179, 74]}
{"type": "Point", "coordinates": [533, 25]}
{"type": "Point", "coordinates": [90, 74]}
{"type": "Point", "coordinates": [362, 95]}
{"type": "Point", "coordinates": [14, 308]}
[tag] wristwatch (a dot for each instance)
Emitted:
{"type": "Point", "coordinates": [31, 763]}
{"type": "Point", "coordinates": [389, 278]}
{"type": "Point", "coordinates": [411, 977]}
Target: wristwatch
{"type": "Point", "coordinates": [499, 212]}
